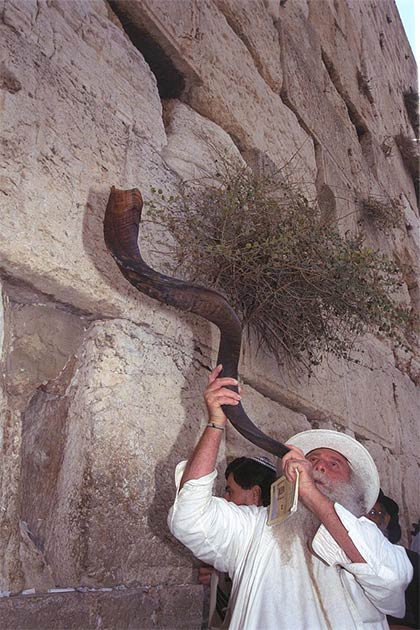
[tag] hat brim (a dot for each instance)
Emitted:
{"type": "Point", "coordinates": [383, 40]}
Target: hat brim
{"type": "Point", "coordinates": [359, 458]}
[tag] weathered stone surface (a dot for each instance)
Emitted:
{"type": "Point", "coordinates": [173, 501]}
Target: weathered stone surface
{"type": "Point", "coordinates": [39, 340]}
{"type": "Point", "coordinates": [95, 415]}
{"type": "Point", "coordinates": [255, 28]}
{"type": "Point", "coordinates": [11, 572]}
{"type": "Point", "coordinates": [359, 40]}
{"type": "Point", "coordinates": [126, 609]}
{"type": "Point", "coordinates": [88, 116]}
{"type": "Point", "coordinates": [409, 499]}
{"type": "Point", "coordinates": [195, 144]}
{"type": "Point", "coordinates": [100, 513]}
{"type": "Point", "coordinates": [350, 395]}
{"type": "Point", "coordinates": [407, 403]}
{"type": "Point", "coordinates": [311, 94]}
{"type": "Point", "coordinates": [235, 96]}
{"type": "Point", "coordinates": [11, 575]}
{"type": "Point", "coordinates": [44, 338]}
{"type": "Point", "coordinates": [335, 193]}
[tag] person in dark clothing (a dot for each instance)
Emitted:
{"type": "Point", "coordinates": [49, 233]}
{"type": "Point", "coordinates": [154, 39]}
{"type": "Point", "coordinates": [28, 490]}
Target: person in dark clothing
{"type": "Point", "coordinates": [385, 513]}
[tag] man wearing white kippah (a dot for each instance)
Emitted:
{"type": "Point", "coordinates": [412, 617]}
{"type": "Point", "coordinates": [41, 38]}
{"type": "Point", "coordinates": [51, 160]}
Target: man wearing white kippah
{"type": "Point", "coordinates": [248, 482]}
{"type": "Point", "coordinates": [326, 566]}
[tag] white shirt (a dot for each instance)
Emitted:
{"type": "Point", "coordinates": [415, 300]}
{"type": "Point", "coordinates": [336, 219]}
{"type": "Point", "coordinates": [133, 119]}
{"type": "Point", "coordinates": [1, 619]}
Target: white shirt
{"type": "Point", "coordinates": [269, 593]}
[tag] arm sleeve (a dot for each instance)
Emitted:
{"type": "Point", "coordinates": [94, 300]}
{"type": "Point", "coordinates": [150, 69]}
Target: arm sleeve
{"type": "Point", "coordinates": [215, 531]}
{"type": "Point", "coordinates": [387, 571]}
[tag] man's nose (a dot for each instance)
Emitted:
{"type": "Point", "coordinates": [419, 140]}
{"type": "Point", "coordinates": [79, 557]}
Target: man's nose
{"type": "Point", "coordinates": [320, 466]}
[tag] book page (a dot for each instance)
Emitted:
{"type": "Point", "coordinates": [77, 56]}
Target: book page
{"type": "Point", "coordinates": [284, 499]}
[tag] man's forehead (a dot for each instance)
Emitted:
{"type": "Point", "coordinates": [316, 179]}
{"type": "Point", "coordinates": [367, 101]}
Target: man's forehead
{"type": "Point", "coordinates": [329, 451]}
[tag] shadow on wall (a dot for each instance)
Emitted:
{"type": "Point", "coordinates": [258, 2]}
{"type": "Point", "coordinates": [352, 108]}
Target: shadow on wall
{"type": "Point", "coordinates": [195, 371]}
{"type": "Point", "coordinates": [94, 244]}
{"type": "Point", "coordinates": [178, 555]}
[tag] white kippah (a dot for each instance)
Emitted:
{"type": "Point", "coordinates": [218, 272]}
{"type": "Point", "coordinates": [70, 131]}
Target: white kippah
{"type": "Point", "coordinates": [265, 462]}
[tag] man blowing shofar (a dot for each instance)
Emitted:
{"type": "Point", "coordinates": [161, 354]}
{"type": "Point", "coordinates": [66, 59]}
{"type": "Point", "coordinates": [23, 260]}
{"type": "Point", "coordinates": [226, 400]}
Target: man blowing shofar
{"type": "Point", "coordinates": [326, 566]}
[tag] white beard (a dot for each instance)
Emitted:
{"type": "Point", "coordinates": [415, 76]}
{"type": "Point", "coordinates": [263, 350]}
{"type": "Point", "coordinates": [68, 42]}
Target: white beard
{"type": "Point", "coordinates": [300, 527]}
{"type": "Point", "coordinates": [347, 493]}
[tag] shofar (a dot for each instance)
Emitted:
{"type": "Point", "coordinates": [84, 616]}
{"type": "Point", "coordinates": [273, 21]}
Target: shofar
{"type": "Point", "coordinates": [121, 230]}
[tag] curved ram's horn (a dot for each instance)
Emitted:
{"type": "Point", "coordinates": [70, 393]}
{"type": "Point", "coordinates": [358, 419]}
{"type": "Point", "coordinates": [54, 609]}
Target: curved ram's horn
{"type": "Point", "coordinates": [121, 228]}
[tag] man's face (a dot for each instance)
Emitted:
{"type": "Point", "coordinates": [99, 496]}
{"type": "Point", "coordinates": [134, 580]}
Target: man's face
{"type": "Point", "coordinates": [330, 464]}
{"type": "Point", "coordinates": [235, 493]}
{"type": "Point", "coordinates": [379, 516]}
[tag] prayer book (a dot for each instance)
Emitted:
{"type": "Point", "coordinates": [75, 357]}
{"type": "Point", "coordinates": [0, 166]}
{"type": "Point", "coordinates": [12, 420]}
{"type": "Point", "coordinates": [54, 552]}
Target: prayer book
{"type": "Point", "coordinates": [284, 499]}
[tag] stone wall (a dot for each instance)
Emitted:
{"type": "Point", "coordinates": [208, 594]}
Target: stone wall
{"type": "Point", "coordinates": [100, 393]}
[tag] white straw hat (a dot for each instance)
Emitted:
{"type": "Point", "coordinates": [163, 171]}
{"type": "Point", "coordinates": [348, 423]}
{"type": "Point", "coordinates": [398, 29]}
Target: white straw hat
{"type": "Point", "coordinates": [359, 458]}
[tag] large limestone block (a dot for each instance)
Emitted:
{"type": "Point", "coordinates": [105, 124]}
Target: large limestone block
{"type": "Point", "coordinates": [399, 477]}
{"type": "Point", "coordinates": [335, 193]}
{"type": "Point", "coordinates": [130, 410]}
{"type": "Point", "coordinates": [410, 494]}
{"type": "Point", "coordinates": [335, 24]}
{"type": "Point", "coordinates": [359, 397]}
{"type": "Point", "coordinates": [43, 338]}
{"type": "Point", "coordinates": [254, 25]}
{"type": "Point", "coordinates": [312, 95]}
{"type": "Point", "coordinates": [11, 572]}
{"type": "Point", "coordinates": [39, 340]}
{"type": "Point", "coordinates": [229, 89]}
{"type": "Point", "coordinates": [407, 403]}
{"type": "Point", "coordinates": [11, 575]}
{"type": "Point", "coordinates": [374, 34]}
{"type": "Point", "coordinates": [195, 144]}
{"type": "Point", "coordinates": [371, 66]}
{"type": "Point", "coordinates": [122, 609]}
{"type": "Point", "coordinates": [87, 115]}
{"type": "Point", "coordinates": [387, 59]}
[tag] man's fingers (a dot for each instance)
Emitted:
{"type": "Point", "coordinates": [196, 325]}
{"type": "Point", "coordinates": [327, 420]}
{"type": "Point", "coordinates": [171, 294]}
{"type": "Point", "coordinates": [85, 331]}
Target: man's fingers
{"type": "Point", "coordinates": [221, 382]}
{"type": "Point", "coordinates": [228, 401]}
{"type": "Point", "coordinates": [216, 396]}
{"type": "Point", "coordinates": [292, 463]}
{"type": "Point", "coordinates": [215, 373]}
{"type": "Point", "coordinates": [294, 450]}
{"type": "Point", "coordinates": [224, 391]}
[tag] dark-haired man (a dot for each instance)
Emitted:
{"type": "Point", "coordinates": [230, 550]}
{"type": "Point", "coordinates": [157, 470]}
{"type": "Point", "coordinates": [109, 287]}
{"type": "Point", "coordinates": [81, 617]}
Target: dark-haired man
{"type": "Point", "coordinates": [385, 513]}
{"type": "Point", "coordinates": [326, 566]}
{"type": "Point", "coordinates": [248, 482]}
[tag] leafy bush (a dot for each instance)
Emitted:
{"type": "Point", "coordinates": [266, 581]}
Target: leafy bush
{"type": "Point", "coordinates": [302, 288]}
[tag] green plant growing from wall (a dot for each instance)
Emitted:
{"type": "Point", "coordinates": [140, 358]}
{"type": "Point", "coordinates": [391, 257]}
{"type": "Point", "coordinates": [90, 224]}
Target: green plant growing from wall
{"type": "Point", "coordinates": [409, 150]}
{"type": "Point", "coordinates": [298, 284]}
{"type": "Point", "coordinates": [381, 212]}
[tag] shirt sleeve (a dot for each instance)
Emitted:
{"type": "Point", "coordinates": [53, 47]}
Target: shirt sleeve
{"type": "Point", "coordinates": [387, 571]}
{"type": "Point", "coordinates": [216, 531]}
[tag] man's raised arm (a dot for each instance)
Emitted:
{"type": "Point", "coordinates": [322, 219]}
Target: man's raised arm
{"type": "Point", "coordinates": [203, 460]}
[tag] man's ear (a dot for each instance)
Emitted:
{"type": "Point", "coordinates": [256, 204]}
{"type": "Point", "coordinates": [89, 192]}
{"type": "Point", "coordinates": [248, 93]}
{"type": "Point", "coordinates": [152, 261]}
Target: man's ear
{"type": "Point", "coordinates": [256, 495]}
